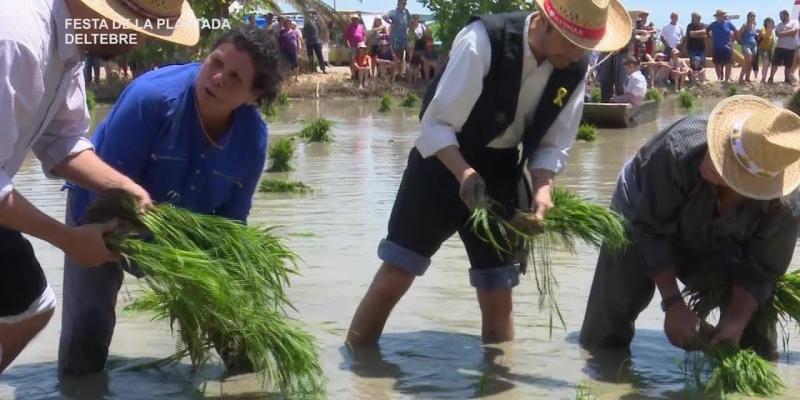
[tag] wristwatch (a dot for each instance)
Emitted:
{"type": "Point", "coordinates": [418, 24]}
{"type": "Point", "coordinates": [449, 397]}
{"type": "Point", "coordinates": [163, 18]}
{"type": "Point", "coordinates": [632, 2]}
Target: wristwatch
{"type": "Point", "coordinates": [665, 303]}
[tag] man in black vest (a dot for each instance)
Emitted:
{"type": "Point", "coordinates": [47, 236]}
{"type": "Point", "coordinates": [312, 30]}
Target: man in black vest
{"type": "Point", "coordinates": [511, 79]}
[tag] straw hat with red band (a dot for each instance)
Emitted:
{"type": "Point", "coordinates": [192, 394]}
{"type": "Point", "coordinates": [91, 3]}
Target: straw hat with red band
{"type": "Point", "coordinates": [755, 147]}
{"type": "Point", "coordinates": [602, 25]}
{"type": "Point", "coordinates": [170, 20]}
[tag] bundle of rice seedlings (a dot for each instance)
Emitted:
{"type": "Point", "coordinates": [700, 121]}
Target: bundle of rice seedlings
{"type": "Point", "coordinates": [386, 103]}
{"type": "Point", "coordinates": [733, 90]}
{"type": "Point", "coordinates": [410, 101]}
{"type": "Point", "coordinates": [587, 132]}
{"type": "Point", "coordinates": [222, 282]}
{"type": "Point", "coordinates": [317, 131]}
{"type": "Point", "coordinates": [91, 100]}
{"type": "Point", "coordinates": [281, 154]}
{"type": "Point", "coordinates": [596, 96]}
{"type": "Point", "coordinates": [270, 110]}
{"type": "Point", "coordinates": [687, 100]}
{"type": "Point", "coordinates": [741, 371]}
{"type": "Point", "coordinates": [514, 232]}
{"type": "Point", "coordinates": [786, 301]}
{"type": "Point", "coordinates": [283, 99]}
{"type": "Point", "coordinates": [270, 185]}
{"type": "Point", "coordinates": [654, 94]}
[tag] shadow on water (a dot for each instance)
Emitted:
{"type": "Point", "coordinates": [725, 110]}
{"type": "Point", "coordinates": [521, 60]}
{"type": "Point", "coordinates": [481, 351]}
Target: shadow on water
{"type": "Point", "coordinates": [439, 364]}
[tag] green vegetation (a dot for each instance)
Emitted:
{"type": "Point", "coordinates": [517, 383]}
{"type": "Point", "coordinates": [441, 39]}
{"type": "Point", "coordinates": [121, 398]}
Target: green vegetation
{"type": "Point", "coordinates": [451, 16]}
{"type": "Point", "coordinates": [270, 110]}
{"type": "Point", "coordinates": [410, 101]}
{"type": "Point", "coordinates": [386, 103]}
{"type": "Point", "coordinates": [654, 94]}
{"type": "Point", "coordinates": [741, 371]}
{"type": "Point", "coordinates": [733, 90]}
{"type": "Point", "coordinates": [587, 132]}
{"type": "Point", "coordinates": [571, 218]}
{"type": "Point", "coordinates": [583, 392]}
{"type": "Point", "coordinates": [317, 131]}
{"type": "Point", "coordinates": [223, 283]}
{"type": "Point", "coordinates": [91, 100]}
{"type": "Point", "coordinates": [596, 96]}
{"type": "Point", "coordinates": [283, 99]}
{"type": "Point", "coordinates": [281, 154]}
{"type": "Point", "coordinates": [270, 185]}
{"type": "Point", "coordinates": [687, 100]}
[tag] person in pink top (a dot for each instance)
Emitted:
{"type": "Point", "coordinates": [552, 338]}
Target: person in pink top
{"type": "Point", "coordinates": [355, 34]}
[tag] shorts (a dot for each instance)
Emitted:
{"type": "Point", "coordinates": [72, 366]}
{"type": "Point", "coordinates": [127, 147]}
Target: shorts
{"type": "Point", "coordinates": [700, 54]}
{"type": "Point", "coordinates": [723, 56]}
{"type": "Point", "coordinates": [24, 292]}
{"type": "Point", "coordinates": [749, 49]}
{"type": "Point", "coordinates": [291, 58]}
{"type": "Point", "coordinates": [783, 57]}
{"type": "Point", "coordinates": [428, 211]}
{"type": "Point", "coordinates": [765, 56]}
{"type": "Point", "coordinates": [400, 43]}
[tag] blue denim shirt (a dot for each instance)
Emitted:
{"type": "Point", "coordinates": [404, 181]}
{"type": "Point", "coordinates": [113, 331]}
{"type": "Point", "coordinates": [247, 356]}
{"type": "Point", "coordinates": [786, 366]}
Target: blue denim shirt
{"type": "Point", "coordinates": [153, 135]}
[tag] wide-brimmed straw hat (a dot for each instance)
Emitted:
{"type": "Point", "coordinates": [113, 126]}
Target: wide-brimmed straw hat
{"type": "Point", "coordinates": [602, 25]}
{"type": "Point", "coordinates": [170, 20]}
{"type": "Point", "coordinates": [635, 15]}
{"type": "Point", "coordinates": [720, 12]}
{"type": "Point", "coordinates": [755, 146]}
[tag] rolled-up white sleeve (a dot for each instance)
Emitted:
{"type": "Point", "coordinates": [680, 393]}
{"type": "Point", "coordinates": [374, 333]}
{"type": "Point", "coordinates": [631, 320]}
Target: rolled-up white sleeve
{"type": "Point", "coordinates": [64, 137]}
{"type": "Point", "coordinates": [553, 151]}
{"type": "Point", "coordinates": [459, 88]}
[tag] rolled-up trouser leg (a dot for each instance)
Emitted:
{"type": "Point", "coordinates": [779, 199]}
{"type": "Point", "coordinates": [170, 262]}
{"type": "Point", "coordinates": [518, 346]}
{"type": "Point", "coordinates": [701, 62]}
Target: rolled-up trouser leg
{"type": "Point", "coordinates": [620, 291]}
{"type": "Point", "coordinates": [88, 317]}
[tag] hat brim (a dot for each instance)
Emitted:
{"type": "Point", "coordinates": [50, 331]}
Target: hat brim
{"type": "Point", "coordinates": [618, 29]}
{"type": "Point", "coordinates": [184, 31]}
{"type": "Point", "coordinates": [720, 126]}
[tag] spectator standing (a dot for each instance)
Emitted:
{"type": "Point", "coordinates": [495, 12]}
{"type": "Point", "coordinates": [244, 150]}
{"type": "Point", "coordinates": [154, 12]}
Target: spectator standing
{"type": "Point", "coordinates": [313, 44]}
{"type": "Point", "coordinates": [696, 39]}
{"type": "Point", "coordinates": [722, 33]}
{"type": "Point", "coordinates": [766, 42]}
{"type": "Point", "coordinates": [289, 45]}
{"type": "Point", "coordinates": [646, 31]}
{"type": "Point", "coordinates": [785, 47]}
{"type": "Point", "coordinates": [748, 39]}
{"type": "Point", "coordinates": [91, 68]}
{"type": "Point", "coordinates": [672, 34]}
{"type": "Point", "coordinates": [355, 34]}
{"type": "Point", "coordinates": [398, 32]}
{"type": "Point", "coordinates": [251, 21]}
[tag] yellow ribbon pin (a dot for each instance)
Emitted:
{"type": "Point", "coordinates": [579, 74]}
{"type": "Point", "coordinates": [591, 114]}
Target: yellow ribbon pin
{"type": "Point", "coordinates": [559, 100]}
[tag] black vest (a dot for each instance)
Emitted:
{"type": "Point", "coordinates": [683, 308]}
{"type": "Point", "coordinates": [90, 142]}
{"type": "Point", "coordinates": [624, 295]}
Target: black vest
{"type": "Point", "coordinates": [497, 105]}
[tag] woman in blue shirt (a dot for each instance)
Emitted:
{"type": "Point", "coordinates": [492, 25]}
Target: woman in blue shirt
{"type": "Point", "coordinates": [191, 135]}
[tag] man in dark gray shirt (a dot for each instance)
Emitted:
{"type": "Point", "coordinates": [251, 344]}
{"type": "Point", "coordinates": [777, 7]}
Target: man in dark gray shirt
{"type": "Point", "coordinates": [313, 45]}
{"type": "Point", "coordinates": [705, 203]}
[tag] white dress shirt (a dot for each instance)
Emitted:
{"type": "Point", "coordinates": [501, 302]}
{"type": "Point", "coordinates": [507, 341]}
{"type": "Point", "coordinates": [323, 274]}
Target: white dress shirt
{"type": "Point", "coordinates": [636, 87]}
{"type": "Point", "coordinates": [42, 93]}
{"type": "Point", "coordinates": [460, 87]}
{"type": "Point", "coordinates": [672, 34]}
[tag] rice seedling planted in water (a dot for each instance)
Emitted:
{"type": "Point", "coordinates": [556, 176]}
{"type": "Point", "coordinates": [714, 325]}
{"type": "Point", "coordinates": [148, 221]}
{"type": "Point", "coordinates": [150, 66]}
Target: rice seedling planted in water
{"type": "Point", "coordinates": [270, 185]}
{"type": "Point", "coordinates": [654, 94]}
{"type": "Point", "coordinates": [733, 90]}
{"type": "Point", "coordinates": [281, 154]}
{"type": "Point", "coordinates": [410, 101]}
{"type": "Point", "coordinates": [222, 282]}
{"type": "Point", "coordinates": [317, 131]}
{"type": "Point", "coordinates": [687, 100]}
{"type": "Point", "coordinates": [741, 371]}
{"type": "Point", "coordinates": [596, 96]}
{"type": "Point", "coordinates": [283, 99]}
{"type": "Point", "coordinates": [587, 132]}
{"type": "Point", "coordinates": [386, 103]}
{"type": "Point", "coordinates": [270, 110]}
{"type": "Point", "coordinates": [584, 393]}
{"type": "Point", "coordinates": [517, 233]}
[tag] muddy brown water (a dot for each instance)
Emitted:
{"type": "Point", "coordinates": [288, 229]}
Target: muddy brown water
{"type": "Point", "coordinates": [431, 347]}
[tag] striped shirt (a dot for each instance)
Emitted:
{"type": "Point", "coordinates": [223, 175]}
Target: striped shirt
{"type": "Point", "coordinates": [42, 93]}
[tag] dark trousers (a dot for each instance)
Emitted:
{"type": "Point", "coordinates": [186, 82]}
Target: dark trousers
{"type": "Point", "coordinates": [315, 49]}
{"type": "Point", "coordinates": [612, 76]}
{"type": "Point", "coordinates": [621, 290]}
{"type": "Point", "coordinates": [92, 66]}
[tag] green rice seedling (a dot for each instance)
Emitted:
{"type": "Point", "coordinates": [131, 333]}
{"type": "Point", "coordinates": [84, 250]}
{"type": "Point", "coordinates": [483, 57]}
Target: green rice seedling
{"type": "Point", "coordinates": [687, 100]}
{"type": "Point", "coordinates": [583, 392]}
{"type": "Point", "coordinates": [596, 96]}
{"type": "Point", "coordinates": [386, 103]}
{"type": "Point", "coordinates": [733, 90]}
{"type": "Point", "coordinates": [271, 185]}
{"type": "Point", "coordinates": [411, 100]}
{"type": "Point", "coordinates": [518, 233]}
{"type": "Point", "coordinates": [741, 371]}
{"type": "Point", "coordinates": [587, 132]}
{"type": "Point", "coordinates": [270, 110]}
{"type": "Point", "coordinates": [787, 297]}
{"type": "Point", "coordinates": [281, 154]}
{"type": "Point", "coordinates": [283, 99]}
{"type": "Point", "coordinates": [221, 283]}
{"type": "Point", "coordinates": [317, 131]}
{"type": "Point", "coordinates": [91, 100]}
{"type": "Point", "coordinates": [654, 94]}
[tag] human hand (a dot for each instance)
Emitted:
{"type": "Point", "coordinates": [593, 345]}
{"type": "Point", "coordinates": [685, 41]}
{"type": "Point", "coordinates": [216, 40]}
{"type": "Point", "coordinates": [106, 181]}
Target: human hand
{"type": "Point", "coordinates": [141, 195]}
{"type": "Point", "coordinates": [541, 186]}
{"type": "Point", "coordinates": [681, 325]}
{"type": "Point", "coordinates": [472, 188]}
{"type": "Point", "coordinates": [728, 331]}
{"type": "Point", "coordinates": [86, 245]}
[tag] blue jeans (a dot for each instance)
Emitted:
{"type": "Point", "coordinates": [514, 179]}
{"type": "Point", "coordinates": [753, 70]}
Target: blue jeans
{"type": "Point", "coordinates": [92, 65]}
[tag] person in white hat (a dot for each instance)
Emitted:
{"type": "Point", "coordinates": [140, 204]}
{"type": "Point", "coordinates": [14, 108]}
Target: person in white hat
{"type": "Point", "coordinates": [705, 201]}
{"type": "Point", "coordinates": [511, 79]}
{"type": "Point", "coordinates": [43, 108]}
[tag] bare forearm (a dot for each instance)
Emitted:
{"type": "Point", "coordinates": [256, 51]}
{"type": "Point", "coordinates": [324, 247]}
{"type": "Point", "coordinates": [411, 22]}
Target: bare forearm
{"type": "Point", "coordinates": [452, 158]}
{"type": "Point", "coordinates": [17, 213]}
{"type": "Point", "coordinates": [88, 171]}
{"type": "Point", "coordinates": [541, 177]}
{"type": "Point", "coordinates": [667, 283]}
{"type": "Point", "coordinates": [741, 306]}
